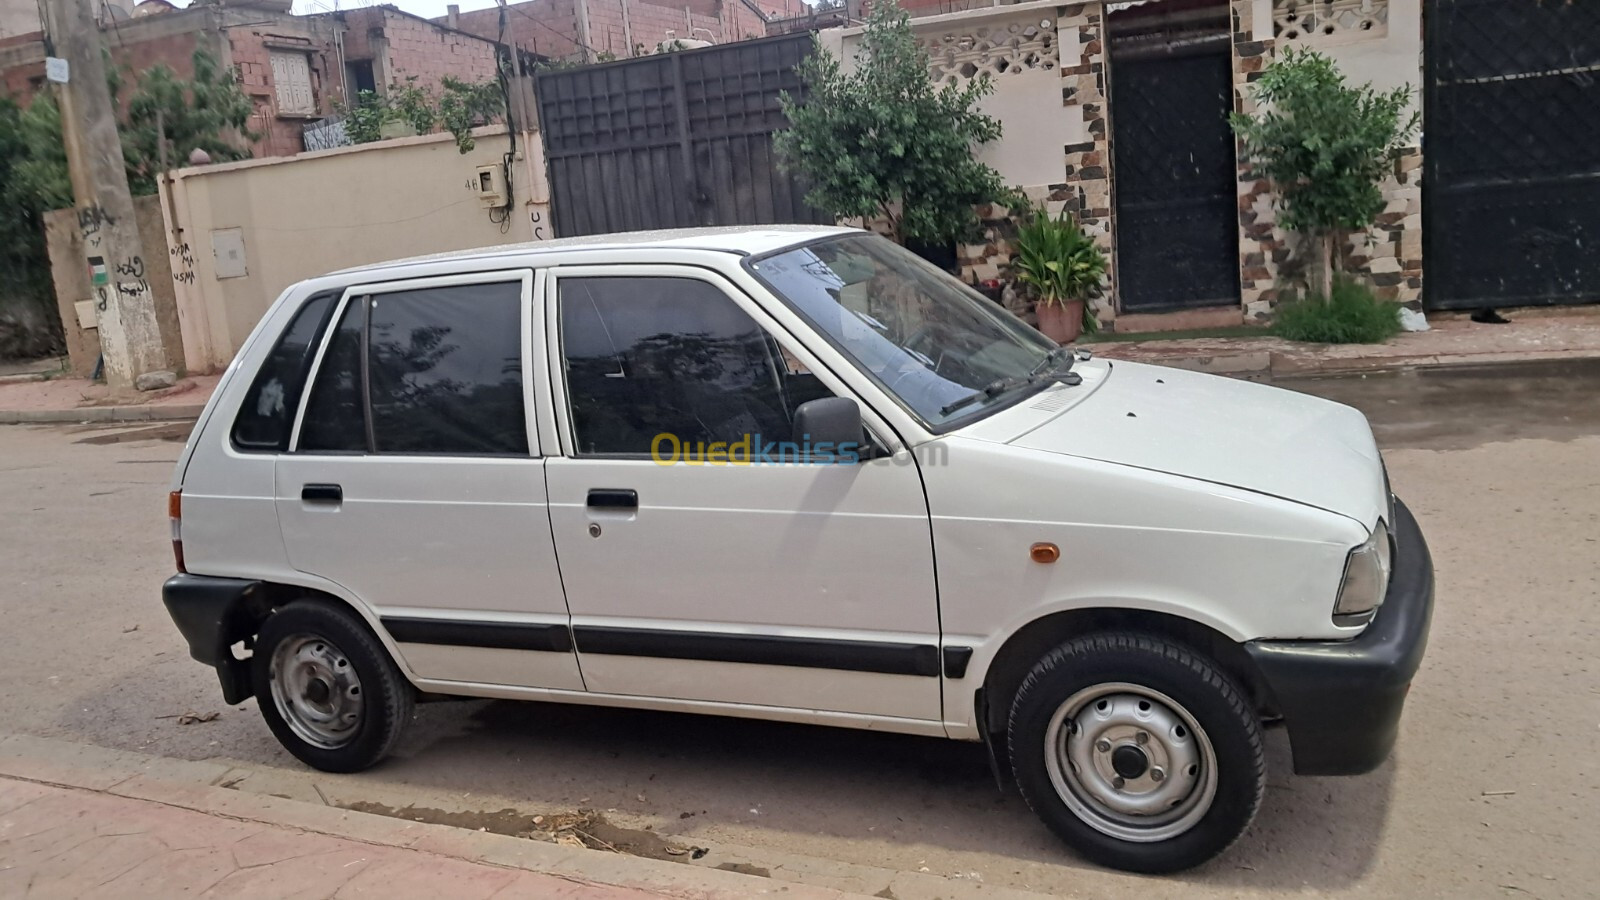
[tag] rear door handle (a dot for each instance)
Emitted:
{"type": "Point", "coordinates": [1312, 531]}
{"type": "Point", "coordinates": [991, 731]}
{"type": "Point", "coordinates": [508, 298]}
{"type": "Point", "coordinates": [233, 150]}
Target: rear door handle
{"type": "Point", "coordinates": [613, 498]}
{"type": "Point", "coordinates": [322, 493]}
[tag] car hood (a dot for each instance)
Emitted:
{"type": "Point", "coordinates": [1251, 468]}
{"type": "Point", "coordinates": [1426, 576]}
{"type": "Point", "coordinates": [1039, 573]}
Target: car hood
{"type": "Point", "coordinates": [1225, 431]}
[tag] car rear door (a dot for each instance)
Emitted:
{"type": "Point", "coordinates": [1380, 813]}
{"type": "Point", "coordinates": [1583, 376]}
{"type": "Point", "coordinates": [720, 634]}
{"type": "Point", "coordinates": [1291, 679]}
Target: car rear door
{"type": "Point", "coordinates": [414, 481]}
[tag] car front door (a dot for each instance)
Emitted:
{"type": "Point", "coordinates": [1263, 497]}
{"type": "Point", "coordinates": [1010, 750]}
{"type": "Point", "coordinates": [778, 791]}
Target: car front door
{"type": "Point", "coordinates": [414, 482]}
{"type": "Point", "coordinates": [694, 569]}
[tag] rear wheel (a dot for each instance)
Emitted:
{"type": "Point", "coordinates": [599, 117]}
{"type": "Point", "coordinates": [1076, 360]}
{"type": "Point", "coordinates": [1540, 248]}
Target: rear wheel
{"type": "Point", "coordinates": [327, 688]}
{"type": "Point", "coordinates": [1138, 752]}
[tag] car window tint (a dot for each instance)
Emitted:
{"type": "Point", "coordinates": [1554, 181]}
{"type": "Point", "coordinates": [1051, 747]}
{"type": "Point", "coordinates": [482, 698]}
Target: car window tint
{"type": "Point", "coordinates": [446, 370]}
{"type": "Point", "coordinates": [651, 356]}
{"type": "Point", "coordinates": [267, 414]}
{"type": "Point", "coordinates": [335, 417]}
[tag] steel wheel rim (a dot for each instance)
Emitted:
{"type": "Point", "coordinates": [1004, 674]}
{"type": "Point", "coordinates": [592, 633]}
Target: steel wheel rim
{"type": "Point", "coordinates": [1131, 762]}
{"type": "Point", "coordinates": [316, 691]}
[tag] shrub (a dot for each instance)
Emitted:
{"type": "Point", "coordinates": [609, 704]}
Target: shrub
{"type": "Point", "coordinates": [882, 140]}
{"type": "Point", "coordinates": [1351, 316]}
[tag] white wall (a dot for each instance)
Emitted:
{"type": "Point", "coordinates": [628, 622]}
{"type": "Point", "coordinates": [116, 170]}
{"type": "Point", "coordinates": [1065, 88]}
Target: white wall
{"type": "Point", "coordinates": [1387, 62]}
{"type": "Point", "coordinates": [1027, 101]}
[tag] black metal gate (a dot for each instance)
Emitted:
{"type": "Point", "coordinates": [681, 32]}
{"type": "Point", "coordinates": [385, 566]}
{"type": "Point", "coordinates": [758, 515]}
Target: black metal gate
{"type": "Point", "coordinates": [673, 140]}
{"type": "Point", "coordinates": [1512, 154]}
{"type": "Point", "coordinates": [1176, 176]}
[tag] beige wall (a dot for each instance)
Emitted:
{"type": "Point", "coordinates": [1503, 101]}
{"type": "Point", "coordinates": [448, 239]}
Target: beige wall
{"type": "Point", "coordinates": [18, 17]}
{"type": "Point", "coordinates": [307, 215]}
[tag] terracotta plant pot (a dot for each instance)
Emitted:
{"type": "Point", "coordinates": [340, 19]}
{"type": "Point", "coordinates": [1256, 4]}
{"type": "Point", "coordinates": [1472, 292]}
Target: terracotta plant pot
{"type": "Point", "coordinates": [1060, 322]}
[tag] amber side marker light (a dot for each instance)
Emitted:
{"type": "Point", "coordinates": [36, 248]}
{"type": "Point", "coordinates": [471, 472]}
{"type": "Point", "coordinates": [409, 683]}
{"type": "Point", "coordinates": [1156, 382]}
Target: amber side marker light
{"type": "Point", "coordinates": [175, 514]}
{"type": "Point", "coordinates": [1044, 552]}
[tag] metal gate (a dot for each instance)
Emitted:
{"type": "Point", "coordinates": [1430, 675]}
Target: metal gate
{"type": "Point", "coordinates": [1512, 154]}
{"type": "Point", "coordinates": [1176, 176]}
{"type": "Point", "coordinates": [673, 140]}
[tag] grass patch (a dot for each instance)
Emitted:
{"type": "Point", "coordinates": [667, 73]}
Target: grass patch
{"type": "Point", "coordinates": [1351, 316]}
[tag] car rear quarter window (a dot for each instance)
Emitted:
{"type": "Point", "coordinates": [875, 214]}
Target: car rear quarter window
{"type": "Point", "coordinates": [266, 416]}
{"type": "Point", "coordinates": [336, 414]}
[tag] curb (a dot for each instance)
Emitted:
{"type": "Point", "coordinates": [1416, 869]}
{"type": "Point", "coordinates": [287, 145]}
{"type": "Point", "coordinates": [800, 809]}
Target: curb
{"type": "Point", "coordinates": [174, 412]}
{"type": "Point", "coordinates": [198, 786]}
{"type": "Point", "coordinates": [136, 777]}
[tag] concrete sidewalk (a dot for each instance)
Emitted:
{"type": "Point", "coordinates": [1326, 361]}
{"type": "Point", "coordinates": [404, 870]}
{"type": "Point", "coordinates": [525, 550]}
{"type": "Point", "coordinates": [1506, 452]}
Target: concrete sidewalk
{"type": "Point", "coordinates": [80, 400]}
{"type": "Point", "coordinates": [1531, 336]}
{"type": "Point", "coordinates": [112, 824]}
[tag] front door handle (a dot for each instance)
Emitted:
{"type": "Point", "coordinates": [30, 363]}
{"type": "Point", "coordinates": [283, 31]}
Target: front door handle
{"type": "Point", "coordinates": [322, 493]}
{"type": "Point", "coordinates": [613, 498]}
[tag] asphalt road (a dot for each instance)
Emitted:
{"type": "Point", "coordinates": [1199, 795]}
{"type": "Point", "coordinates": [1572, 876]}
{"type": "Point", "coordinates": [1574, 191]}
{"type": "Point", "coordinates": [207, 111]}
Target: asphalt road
{"type": "Point", "coordinates": [1494, 789]}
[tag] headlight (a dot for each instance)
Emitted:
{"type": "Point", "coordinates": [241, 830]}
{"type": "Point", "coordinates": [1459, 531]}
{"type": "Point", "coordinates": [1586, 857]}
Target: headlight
{"type": "Point", "coordinates": [1366, 579]}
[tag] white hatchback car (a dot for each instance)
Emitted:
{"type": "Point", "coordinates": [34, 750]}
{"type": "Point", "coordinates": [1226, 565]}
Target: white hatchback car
{"type": "Point", "coordinates": [797, 474]}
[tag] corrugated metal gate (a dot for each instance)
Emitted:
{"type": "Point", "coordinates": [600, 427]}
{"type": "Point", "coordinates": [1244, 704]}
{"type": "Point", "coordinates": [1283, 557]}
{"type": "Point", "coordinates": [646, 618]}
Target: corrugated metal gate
{"type": "Point", "coordinates": [1512, 154]}
{"type": "Point", "coordinates": [673, 140]}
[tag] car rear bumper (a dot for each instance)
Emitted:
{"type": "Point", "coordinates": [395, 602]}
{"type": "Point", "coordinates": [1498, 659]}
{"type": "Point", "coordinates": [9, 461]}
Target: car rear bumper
{"type": "Point", "coordinates": [213, 614]}
{"type": "Point", "coordinates": [1341, 700]}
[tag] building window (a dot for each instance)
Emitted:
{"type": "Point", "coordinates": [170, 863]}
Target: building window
{"type": "Point", "coordinates": [291, 79]}
{"type": "Point", "coordinates": [1315, 21]}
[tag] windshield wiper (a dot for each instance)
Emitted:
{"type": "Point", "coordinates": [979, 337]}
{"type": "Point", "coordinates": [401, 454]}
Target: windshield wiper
{"type": "Point", "coordinates": [1049, 368]}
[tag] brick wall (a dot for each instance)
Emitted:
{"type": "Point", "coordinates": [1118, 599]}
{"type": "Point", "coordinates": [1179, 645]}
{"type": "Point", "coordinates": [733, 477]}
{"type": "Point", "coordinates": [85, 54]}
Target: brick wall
{"type": "Point", "coordinates": [417, 48]}
{"type": "Point", "coordinates": [250, 48]}
{"type": "Point", "coordinates": [550, 27]}
{"type": "Point", "coordinates": [546, 27]}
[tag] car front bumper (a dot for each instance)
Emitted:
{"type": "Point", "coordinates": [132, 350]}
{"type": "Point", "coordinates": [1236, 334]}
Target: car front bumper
{"type": "Point", "coordinates": [1341, 700]}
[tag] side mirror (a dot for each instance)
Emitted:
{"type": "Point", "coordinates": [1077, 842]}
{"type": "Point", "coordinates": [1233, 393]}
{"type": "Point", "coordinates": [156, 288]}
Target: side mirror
{"type": "Point", "coordinates": [829, 430]}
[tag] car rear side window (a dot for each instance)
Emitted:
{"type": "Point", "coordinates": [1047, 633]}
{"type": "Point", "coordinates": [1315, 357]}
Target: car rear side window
{"type": "Point", "coordinates": [431, 371]}
{"type": "Point", "coordinates": [446, 370]}
{"type": "Point", "coordinates": [267, 415]}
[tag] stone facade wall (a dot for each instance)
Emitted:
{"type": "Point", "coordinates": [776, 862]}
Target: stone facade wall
{"type": "Point", "coordinates": [1389, 255]}
{"type": "Point", "coordinates": [1263, 247]}
{"type": "Point", "coordinates": [1084, 190]}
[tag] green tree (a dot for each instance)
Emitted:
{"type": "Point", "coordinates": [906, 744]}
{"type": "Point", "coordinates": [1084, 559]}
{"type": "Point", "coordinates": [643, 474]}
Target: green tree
{"type": "Point", "coordinates": [1325, 146]}
{"type": "Point", "coordinates": [882, 140]}
{"type": "Point", "coordinates": [208, 112]}
{"type": "Point", "coordinates": [33, 180]}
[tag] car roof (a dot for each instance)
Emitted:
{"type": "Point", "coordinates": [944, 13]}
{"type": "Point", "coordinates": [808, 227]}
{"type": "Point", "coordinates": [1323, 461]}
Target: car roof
{"type": "Point", "coordinates": [743, 240]}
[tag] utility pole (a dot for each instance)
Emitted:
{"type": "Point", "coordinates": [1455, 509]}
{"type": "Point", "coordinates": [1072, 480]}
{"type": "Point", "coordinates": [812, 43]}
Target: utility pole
{"type": "Point", "coordinates": [125, 313]}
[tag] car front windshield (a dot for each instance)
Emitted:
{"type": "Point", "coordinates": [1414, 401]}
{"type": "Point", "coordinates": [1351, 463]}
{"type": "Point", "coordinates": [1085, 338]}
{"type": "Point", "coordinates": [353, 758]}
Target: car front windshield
{"type": "Point", "coordinates": [941, 350]}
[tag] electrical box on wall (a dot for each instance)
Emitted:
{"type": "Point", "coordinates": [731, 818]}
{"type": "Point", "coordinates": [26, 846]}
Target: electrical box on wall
{"type": "Point", "coordinates": [492, 186]}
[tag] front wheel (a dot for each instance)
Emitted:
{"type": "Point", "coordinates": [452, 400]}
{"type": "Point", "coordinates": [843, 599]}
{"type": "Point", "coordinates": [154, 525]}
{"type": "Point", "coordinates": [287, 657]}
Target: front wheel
{"type": "Point", "coordinates": [327, 688]}
{"type": "Point", "coordinates": [1137, 752]}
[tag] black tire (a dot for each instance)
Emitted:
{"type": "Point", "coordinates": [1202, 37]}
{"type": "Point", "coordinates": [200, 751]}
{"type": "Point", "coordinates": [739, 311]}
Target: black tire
{"type": "Point", "coordinates": [1212, 698]}
{"type": "Point", "coordinates": [385, 697]}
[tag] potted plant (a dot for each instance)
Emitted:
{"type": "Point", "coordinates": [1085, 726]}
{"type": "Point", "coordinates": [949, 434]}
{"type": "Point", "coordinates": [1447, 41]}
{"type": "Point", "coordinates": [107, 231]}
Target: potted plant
{"type": "Point", "coordinates": [1064, 269]}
